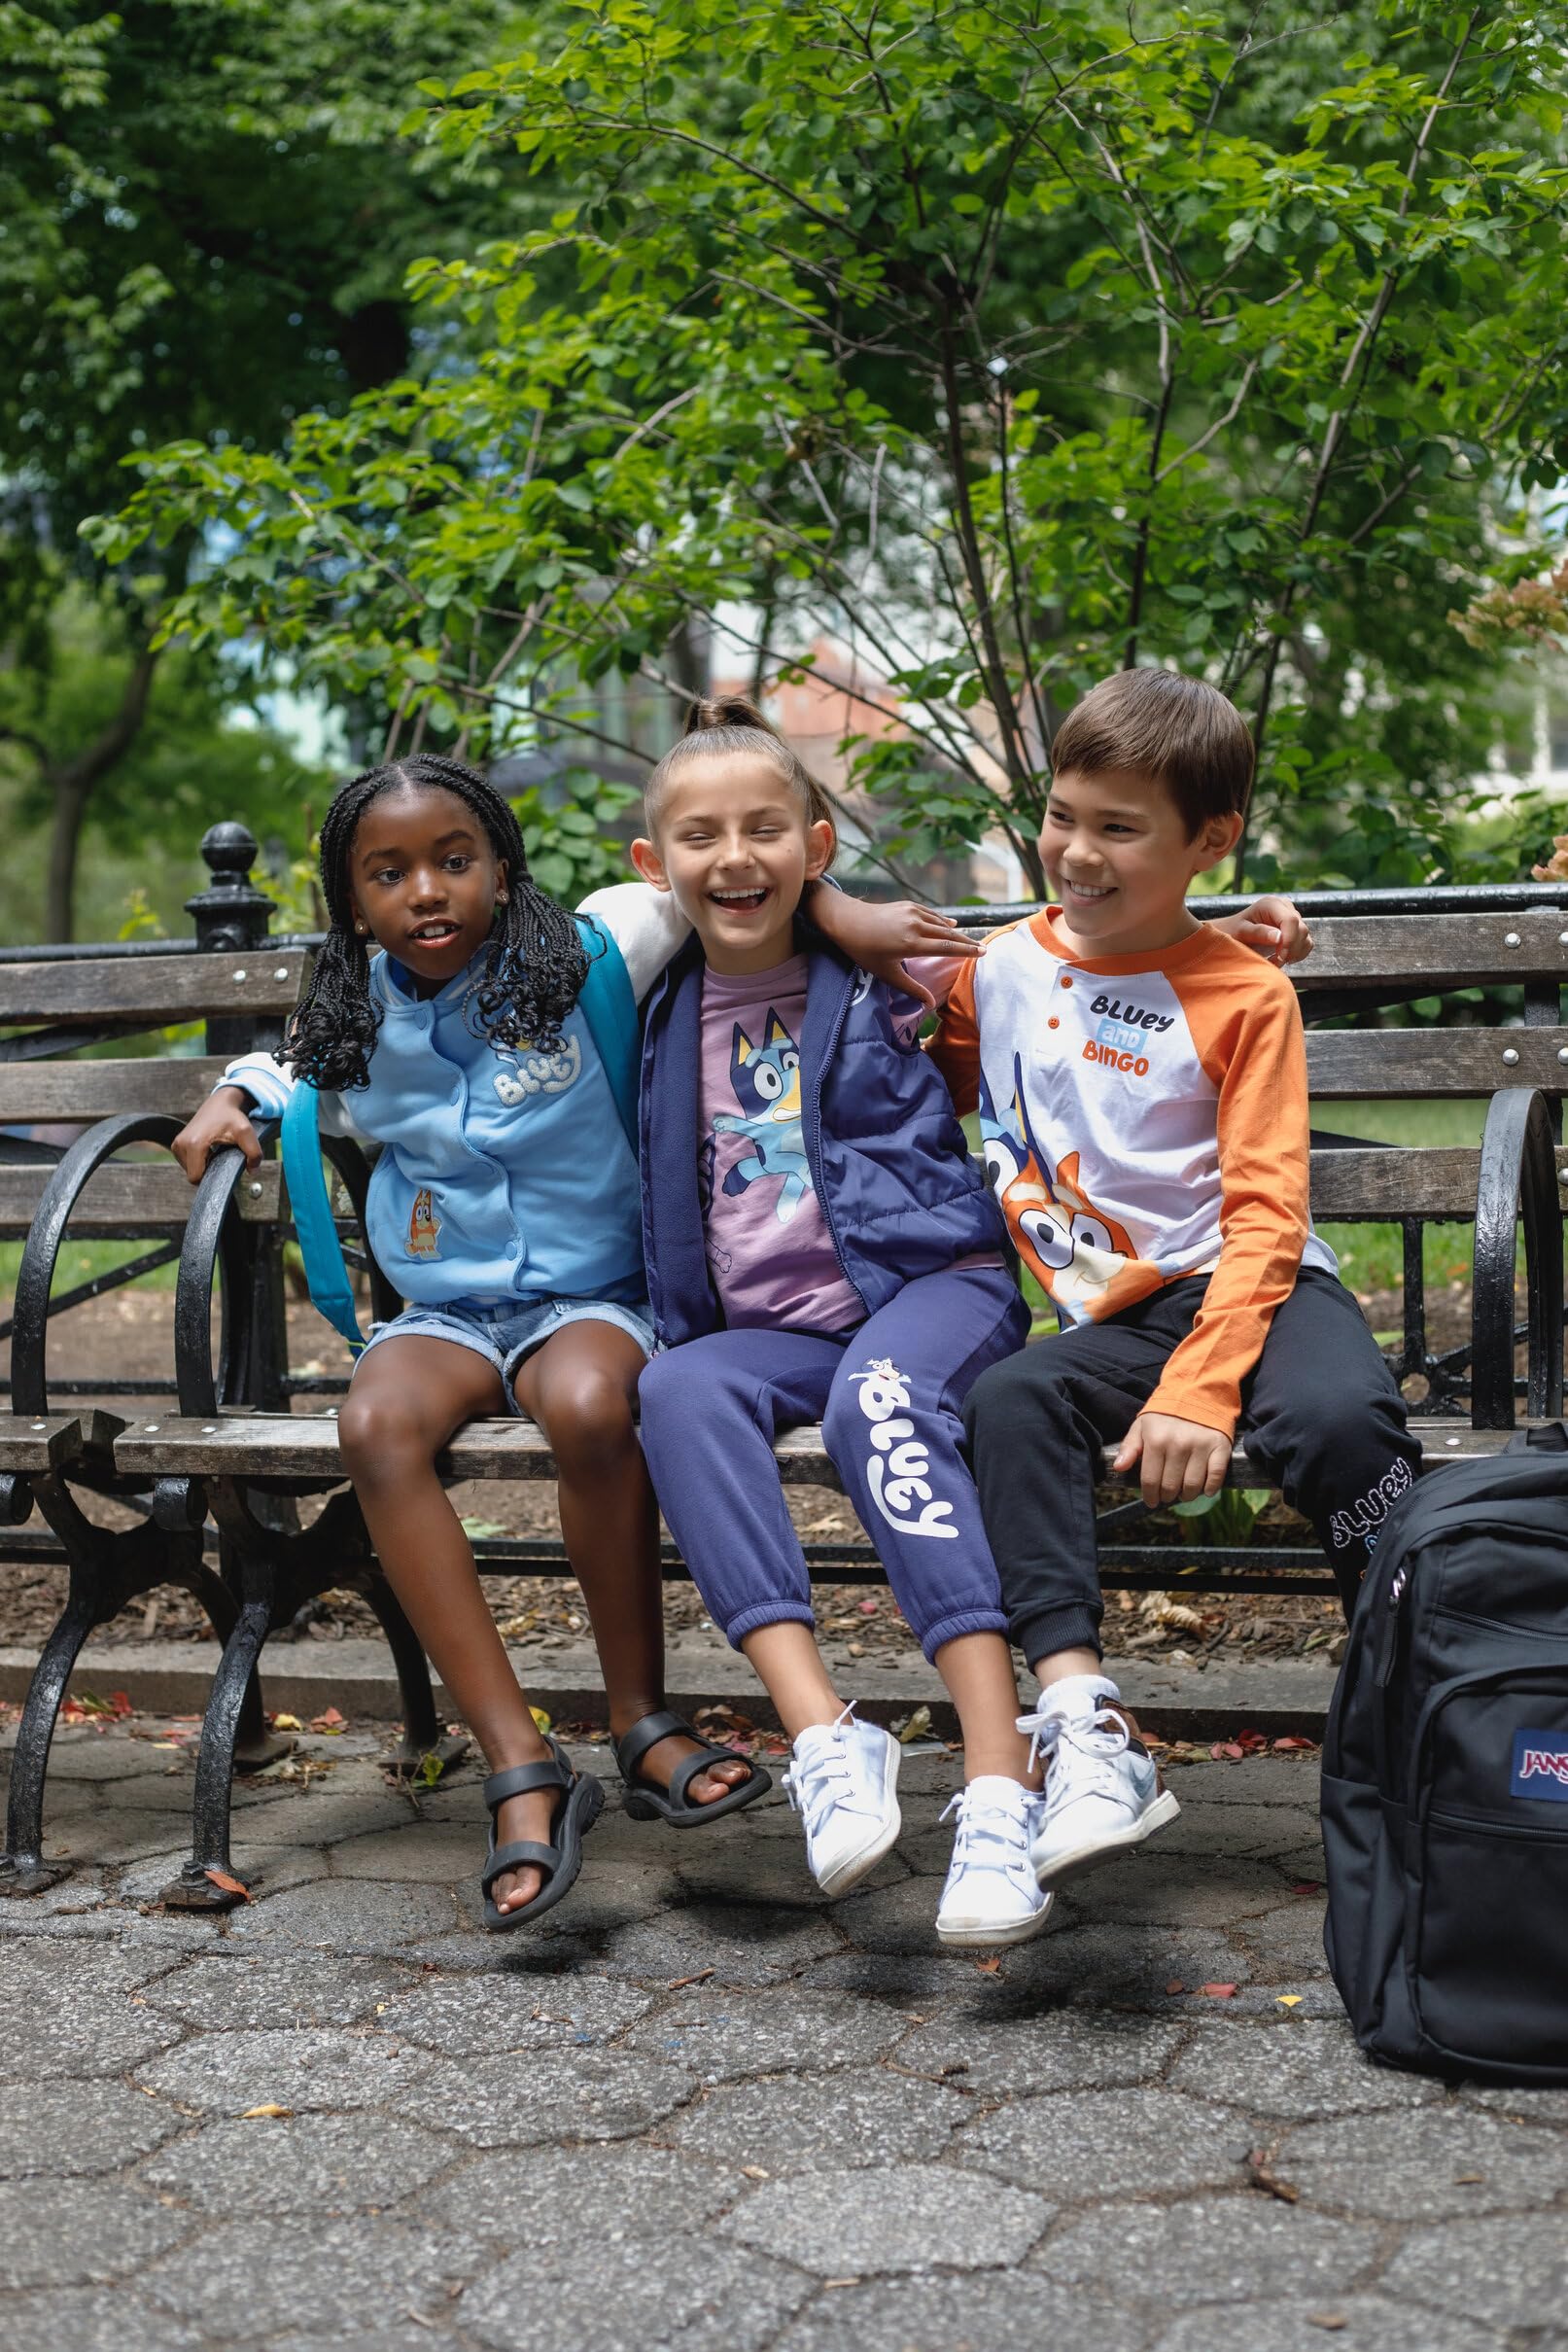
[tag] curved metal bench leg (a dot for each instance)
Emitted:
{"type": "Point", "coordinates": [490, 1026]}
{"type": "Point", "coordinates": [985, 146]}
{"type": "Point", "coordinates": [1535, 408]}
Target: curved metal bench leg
{"type": "Point", "coordinates": [22, 1868]}
{"type": "Point", "coordinates": [193, 1889]}
{"type": "Point", "coordinates": [425, 1750]}
{"type": "Point", "coordinates": [256, 1743]}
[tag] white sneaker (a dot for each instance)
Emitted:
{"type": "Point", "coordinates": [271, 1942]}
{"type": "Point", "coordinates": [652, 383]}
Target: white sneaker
{"type": "Point", "coordinates": [843, 1782]}
{"type": "Point", "coordinates": [991, 1896]}
{"type": "Point", "coordinates": [1103, 1793]}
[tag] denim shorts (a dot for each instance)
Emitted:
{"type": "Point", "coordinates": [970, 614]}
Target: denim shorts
{"type": "Point", "coordinates": [507, 1332]}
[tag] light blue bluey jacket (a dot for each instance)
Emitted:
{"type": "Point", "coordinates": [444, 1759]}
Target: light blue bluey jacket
{"type": "Point", "coordinates": [503, 1175]}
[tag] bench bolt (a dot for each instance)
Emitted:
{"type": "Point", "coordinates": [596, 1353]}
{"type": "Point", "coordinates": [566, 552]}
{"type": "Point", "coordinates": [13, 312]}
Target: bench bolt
{"type": "Point", "coordinates": [1511, 1054]}
{"type": "Point", "coordinates": [1510, 938]}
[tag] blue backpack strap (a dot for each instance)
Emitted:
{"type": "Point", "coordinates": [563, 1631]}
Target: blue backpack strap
{"type": "Point", "coordinates": [608, 1006]}
{"type": "Point", "coordinates": [325, 1271]}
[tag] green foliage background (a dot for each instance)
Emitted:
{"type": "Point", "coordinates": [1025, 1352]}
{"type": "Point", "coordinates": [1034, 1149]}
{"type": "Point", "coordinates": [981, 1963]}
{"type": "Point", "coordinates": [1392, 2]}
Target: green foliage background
{"type": "Point", "coordinates": [467, 362]}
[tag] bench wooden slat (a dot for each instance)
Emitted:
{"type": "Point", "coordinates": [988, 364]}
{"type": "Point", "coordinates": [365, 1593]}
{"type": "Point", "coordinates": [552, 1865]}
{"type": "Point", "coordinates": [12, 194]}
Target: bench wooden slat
{"type": "Point", "coordinates": [1448, 951]}
{"type": "Point", "coordinates": [130, 1197]}
{"type": "Point", "coordinates": [28, 1443]}
{"type": "Point", "coordinates": [152, 990]}
{"type": "Point", "coordinates": [1430, 1182]}
{"type": "Point", "coordinates": [79, 1092]}
{"type": "Point", "coordinates": [281, 1445]}
{"type": "Point", "coordinates": [1341, 1062]}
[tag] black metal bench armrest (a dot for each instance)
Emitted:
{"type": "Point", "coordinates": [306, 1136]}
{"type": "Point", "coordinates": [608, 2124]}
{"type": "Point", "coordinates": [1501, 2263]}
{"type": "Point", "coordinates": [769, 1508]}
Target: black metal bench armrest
{"type": "Point", "coordinates": [29, 1385]}
{"type": "Point", "coordinates": [1519, 1178]}
{"type": "Point", "coordinates": [212, 1236]}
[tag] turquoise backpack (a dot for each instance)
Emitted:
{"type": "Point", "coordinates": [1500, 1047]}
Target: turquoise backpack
{"type": "Point", "coordinates": [609, 1008]}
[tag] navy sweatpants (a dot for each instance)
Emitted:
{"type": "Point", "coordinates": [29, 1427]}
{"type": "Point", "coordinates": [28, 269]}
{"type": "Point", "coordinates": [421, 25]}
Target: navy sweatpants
{"type": "Point", "coordinates": [1321, 1416]}
{"type": "Point", "coordinates": [890, 1398]}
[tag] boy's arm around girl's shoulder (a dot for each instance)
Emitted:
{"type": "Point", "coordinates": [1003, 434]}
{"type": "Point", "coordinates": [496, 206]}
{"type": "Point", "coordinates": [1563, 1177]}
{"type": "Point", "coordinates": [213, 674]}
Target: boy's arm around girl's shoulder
{"type": "Point", "coordinates": [912, 947]}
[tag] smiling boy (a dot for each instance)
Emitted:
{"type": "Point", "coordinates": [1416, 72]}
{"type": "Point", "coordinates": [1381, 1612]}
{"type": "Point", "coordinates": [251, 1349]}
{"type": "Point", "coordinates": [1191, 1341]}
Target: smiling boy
{"type": "Point", "coordinates": [1141, 1082]}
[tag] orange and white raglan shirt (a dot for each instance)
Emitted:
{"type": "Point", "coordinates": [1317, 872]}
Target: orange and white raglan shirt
{"type": "Point", "coordinates": [1144, 1119]}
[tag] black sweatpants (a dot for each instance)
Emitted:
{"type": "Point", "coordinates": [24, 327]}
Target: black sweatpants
{"type": "Point", "coordinates": [1321, 1416]}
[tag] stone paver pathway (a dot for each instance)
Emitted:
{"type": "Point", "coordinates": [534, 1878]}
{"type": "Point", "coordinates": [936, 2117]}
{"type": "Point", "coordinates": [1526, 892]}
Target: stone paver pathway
{"type": "Point", "coordinates": [707, 2110]}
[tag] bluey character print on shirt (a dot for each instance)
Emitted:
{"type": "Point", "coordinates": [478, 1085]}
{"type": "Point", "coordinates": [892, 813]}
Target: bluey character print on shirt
{"type": "Point", "coordinates": [766, 1079]}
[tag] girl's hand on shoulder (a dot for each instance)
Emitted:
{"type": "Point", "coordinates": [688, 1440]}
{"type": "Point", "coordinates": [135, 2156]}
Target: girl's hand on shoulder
{"type": "Point", "coordinates": [880, 936]}
{"type": "Point", "coordinates": [1274, 925]}
{"type": "Point", "coordinates": [223, 1119]}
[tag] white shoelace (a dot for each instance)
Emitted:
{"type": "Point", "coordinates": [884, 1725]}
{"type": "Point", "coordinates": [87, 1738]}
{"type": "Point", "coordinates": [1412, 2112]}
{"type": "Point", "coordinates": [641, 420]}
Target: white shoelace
{"type": "Point", "coordinates": [979, 1822]}
{"type": "Point", "coordinates": [816, 1784]}
{"type": "Point", "coordinates": [1097, 1737]}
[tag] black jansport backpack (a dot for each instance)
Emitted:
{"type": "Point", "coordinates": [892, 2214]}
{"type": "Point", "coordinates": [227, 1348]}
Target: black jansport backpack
{"type": "Point", "coordinates": [1446, 1776]}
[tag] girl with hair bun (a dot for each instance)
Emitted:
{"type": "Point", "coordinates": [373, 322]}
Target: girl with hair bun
{"type": "Point", "coordinates": [449, 1018]}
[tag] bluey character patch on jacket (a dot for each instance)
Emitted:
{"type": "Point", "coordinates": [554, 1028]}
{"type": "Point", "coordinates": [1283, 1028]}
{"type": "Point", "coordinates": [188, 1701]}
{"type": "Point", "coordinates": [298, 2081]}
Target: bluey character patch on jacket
{"type": "Point", "coordinates": [424, 1225]}
{"type": "Point", "coordinates": [766, 1079]}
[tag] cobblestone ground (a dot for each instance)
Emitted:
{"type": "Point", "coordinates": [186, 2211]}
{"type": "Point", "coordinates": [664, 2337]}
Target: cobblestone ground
{"type": "Point", "coordinates": [709, 2110]}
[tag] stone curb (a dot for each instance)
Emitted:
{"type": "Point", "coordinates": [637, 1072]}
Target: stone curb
{"type": "Point", "coordinates": [1280, 1697]}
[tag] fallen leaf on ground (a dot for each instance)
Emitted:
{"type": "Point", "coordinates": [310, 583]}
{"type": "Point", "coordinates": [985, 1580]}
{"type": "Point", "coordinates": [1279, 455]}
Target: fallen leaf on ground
{"type": "Point", "coordinates": [329, 1722]}
{"type": "Point", "coordinates": [1219, 1992]}
{"type": "Point", "coordinates": [1291, 1744]}
{"type": "Point", "coordinates": [755, 2172]}
{"type": "Point", "coordinates": [1306, 1886]}
{"type": "Point", "coordinates": [989, 1968]}
{"type": "Point", "coordinates": [1261, 2175]}
{"type": "Point", "coordinates": [867, 1608]}
{"type": "Point", "coordinates": [271, 2111]}
{"type": "Point", "coordinates": [1176, 1985]}
{"type": "Point", "coordinates": [1224, 1750]}
{"type": "Point", "coordinates": [725, 1724]}
{"type": "Point", "coordinates": [917, 1726]}
{"type": "Point", "coordinates": [231, 1887]}
{"type": "Point", "coordinates": [680, 1983]}
{"type": "Point", "coordinates": [541, 1718]}
{"type": "Point", "coordinates": [1288, 2000]}
{"type": "Point", "coordinates": [1468, 2180]}
{"type": "Point", "coordinates": [286, 1723]}
{"type": "Point", "coordinates": [1333, 2321]}
{"type": "Point", "coordinates": [87, 1704]}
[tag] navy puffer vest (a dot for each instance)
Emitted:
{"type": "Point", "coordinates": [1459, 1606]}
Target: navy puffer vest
{"type": "Point", "coordinates": [889, 1159]}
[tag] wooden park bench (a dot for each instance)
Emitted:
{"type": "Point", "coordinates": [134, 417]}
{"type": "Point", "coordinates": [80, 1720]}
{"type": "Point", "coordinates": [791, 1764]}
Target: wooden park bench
{"type": "Point", "coordinates": [239, 1447]}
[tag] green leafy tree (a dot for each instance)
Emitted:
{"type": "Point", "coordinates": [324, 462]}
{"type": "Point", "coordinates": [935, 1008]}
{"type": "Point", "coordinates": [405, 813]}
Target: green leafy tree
{"type": "Point", "coordinates": [1011, 344]}
{"type": "Point", "coordinates": [208, 213]}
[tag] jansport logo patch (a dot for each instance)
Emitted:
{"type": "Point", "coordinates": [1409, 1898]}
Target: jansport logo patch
{"type": "Point", "coordinates": [1539, 1766]}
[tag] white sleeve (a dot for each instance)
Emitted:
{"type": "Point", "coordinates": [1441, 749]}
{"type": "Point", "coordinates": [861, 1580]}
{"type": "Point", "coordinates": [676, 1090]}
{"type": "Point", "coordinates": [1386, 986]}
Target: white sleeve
{"type": "Point", "coordinates": [645, 925]}
{"type": "Point", "coordinates": [270, 1084]}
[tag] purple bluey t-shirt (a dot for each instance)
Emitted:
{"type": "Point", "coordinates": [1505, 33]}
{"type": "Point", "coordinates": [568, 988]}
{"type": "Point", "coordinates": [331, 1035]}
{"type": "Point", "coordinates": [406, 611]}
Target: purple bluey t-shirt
{"type": "Point", "coordinates": [769, 1250]}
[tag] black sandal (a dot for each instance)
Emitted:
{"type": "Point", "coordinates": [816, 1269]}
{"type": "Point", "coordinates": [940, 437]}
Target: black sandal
{"type": "Point", "coordinates": [581, 1801]}
{"type": "Point", "coordinates": [647, 1802]}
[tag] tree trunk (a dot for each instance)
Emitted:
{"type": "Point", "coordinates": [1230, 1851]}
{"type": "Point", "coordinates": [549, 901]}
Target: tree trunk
{"type": "Point", "coordinates": [69, 785]}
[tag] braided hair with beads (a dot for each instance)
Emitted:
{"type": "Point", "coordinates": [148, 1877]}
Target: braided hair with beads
{"type": "Point", "coordinates": [529, 973]}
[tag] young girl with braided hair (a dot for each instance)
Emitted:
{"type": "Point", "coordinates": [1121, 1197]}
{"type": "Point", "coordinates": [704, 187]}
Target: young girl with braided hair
{"type": "Point", "coordinates": [505, 1207]}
